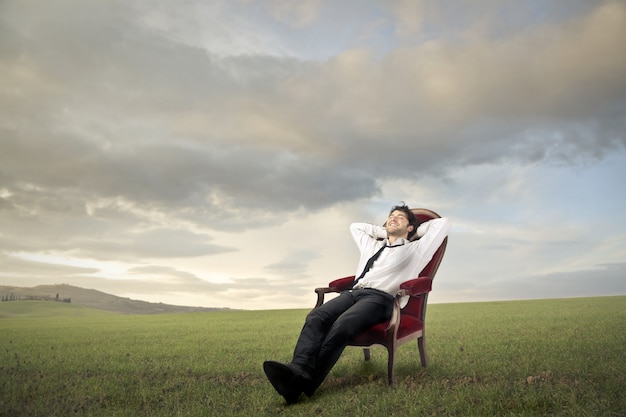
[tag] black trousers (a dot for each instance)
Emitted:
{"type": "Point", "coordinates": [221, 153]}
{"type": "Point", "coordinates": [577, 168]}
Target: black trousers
{"type": "Point", "coordinates": [329, 328]}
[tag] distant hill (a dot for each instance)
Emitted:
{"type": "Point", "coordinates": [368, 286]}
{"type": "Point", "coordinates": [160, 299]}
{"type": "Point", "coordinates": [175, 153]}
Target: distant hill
{"type": "Point", "coordinates": [96, 299]}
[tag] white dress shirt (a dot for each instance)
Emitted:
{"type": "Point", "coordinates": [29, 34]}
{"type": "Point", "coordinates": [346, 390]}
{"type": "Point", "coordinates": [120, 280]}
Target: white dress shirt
{"type": "Point", "coordinates": [402, 261]}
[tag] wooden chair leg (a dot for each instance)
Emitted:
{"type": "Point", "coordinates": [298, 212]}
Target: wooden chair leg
{"type": "Point", "coordinates": [421, 345]}
{"type": "Point", "coordinates": [366, 353]}
{"type": "Point", "coordinates": [390, 364]}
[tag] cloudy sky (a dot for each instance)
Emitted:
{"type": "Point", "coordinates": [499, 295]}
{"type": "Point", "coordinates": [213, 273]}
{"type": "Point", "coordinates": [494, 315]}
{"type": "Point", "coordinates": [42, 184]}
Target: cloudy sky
{"type": "Point", "coordinates": [214, 153]}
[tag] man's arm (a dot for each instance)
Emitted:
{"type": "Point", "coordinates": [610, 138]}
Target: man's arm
{"type": "Point", "coordinates": [432, 233]}
{"type": "Point", "coordinates": [437, 225]}
{"type": "Point", "coordinates": [362, 232]}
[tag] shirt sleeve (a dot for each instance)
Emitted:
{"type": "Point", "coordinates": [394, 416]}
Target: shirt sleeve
{"type": "Point", "coordinates": [364, 232]}
{"type": "Point", "coordinates": [435, 232]}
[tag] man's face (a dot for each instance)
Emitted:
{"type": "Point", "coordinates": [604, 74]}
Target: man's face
{"type": "Point", "coordinates": [398, 224]}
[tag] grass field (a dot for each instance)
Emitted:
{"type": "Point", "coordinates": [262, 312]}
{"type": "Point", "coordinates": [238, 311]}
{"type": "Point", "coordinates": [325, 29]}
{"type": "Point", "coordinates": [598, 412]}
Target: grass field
{"type": "Point", "coordinates": [562, 357]}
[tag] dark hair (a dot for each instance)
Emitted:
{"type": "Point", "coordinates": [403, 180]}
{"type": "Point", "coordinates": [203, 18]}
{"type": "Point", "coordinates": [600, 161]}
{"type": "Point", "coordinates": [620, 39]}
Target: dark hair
{"type": "Point", "coordinates": [410, 215]}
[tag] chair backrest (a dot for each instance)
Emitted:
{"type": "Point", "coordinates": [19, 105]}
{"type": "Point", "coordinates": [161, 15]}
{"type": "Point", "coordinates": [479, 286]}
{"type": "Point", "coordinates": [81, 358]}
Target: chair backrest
{"type": "Point", "coordinates": [417, 305]}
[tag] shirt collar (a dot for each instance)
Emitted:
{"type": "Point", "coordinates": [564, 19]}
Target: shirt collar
{"type": "Point", "coordinates": [398, 242]}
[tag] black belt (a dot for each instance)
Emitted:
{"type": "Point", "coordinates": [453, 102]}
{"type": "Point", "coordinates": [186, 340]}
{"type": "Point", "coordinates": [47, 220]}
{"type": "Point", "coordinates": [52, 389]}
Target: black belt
{"type": "Point", "coordinates": [372, 289]}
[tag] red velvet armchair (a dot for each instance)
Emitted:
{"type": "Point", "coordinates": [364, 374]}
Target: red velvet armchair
{"type": "Point", "coordinates": [407, 323]}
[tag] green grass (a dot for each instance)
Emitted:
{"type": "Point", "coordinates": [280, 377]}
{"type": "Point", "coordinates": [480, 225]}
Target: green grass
{"type": "Point", "coordinates": [523, 358]}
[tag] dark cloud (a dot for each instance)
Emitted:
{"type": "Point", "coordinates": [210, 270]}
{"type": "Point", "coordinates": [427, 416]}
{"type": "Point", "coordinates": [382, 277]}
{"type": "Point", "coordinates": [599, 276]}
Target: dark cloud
{"type": "Point", "coordinates": [120, 129]}
{"type": "Point", "coordinates": [160, 243]}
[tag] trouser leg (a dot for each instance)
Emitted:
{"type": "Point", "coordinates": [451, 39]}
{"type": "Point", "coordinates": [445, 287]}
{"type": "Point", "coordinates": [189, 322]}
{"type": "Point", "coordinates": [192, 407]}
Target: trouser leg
{"type": "Point", "coordinates": [369, 308]}
{"type": "Point", "coordinates": [329, 328]}
{"type": "Point", "coordinates": [316, 326]}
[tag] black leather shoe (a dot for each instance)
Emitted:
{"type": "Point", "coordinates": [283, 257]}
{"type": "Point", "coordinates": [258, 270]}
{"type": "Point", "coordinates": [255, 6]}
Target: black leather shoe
{"type": "Point", "coordinates": [309, 387]}
{"type": "Point", "coordinates": [306, 382]}
{"type": "Point", "coordinates": [284, 380]}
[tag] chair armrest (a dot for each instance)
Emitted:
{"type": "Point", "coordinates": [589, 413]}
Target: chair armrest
{"type": "Point", "coordinates": [342, 284]}
{"type": "Point", "coordinates": [337, 285]}
{"type": "Point", "coordinates": [412, 287]}
{"type": "Point", "coordinates": [421, 285]}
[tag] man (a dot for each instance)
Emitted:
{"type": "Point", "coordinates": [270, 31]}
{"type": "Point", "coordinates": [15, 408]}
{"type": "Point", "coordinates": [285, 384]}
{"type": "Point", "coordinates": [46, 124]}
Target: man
{"type": "Point", "coordinates": [388, 258]}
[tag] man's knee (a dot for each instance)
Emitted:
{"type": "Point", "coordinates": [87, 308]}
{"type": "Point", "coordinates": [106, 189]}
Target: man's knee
{"type": "Point", "coordinates": [344, 329]}
{"type": "Point", "coordinates": [315, 318]}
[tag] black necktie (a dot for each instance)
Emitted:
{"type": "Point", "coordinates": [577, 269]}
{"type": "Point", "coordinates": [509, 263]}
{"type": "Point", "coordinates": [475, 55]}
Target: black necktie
{"type": "Point", "coordinates": [369, 264]}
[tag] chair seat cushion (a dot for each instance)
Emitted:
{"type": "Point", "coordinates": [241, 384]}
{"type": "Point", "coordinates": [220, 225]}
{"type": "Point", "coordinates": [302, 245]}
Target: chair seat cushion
{"type": "Point", "coordinates": [378, 333]}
